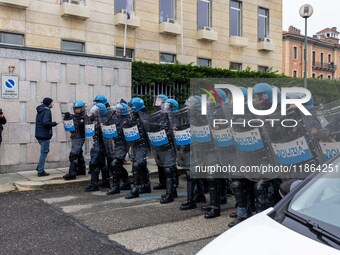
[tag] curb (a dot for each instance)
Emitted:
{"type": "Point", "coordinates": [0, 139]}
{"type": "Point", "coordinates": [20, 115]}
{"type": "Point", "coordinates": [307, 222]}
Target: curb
{"type": "Point", "coordinates": [57, 183]}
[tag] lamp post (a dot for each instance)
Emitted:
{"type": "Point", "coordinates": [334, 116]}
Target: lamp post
{"type": "Point", "coordinates": [305, 11]}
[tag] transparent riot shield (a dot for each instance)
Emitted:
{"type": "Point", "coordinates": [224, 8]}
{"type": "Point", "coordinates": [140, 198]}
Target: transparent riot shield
{"type": "Point", "coordinates": [294, 144]}
{"type": "Point", "coordinates": [328, 137]}
{"type": "Point", "coordinates": [109, 132]}
{"type": "Point", "coordinates": [203, 158]}
{"type": "Point", "coordinates": [134, 130]}
{"type": "Point", "coordinates": [89, 131]}
{"type": "Point", "coordinates": [223, 139]}
{"type": "Point", "coordinates": [179, 123]}
{"type": "Point", "coordinates": [253, 148]}
{"type": "Point", "coordinates": [161, 140]}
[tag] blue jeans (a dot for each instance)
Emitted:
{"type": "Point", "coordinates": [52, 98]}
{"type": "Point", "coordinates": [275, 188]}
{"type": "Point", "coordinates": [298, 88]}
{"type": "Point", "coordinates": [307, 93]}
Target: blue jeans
{"type": "Point", "coordinates": [44, 149]}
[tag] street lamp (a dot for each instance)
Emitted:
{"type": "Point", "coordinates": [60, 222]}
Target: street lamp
{"type": "Point", "coordinates": [305, 11]}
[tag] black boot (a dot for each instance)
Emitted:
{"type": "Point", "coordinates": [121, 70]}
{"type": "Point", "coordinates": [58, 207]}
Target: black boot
{"type": "Point", "coordinates": [190, 203]}
{"type": "Point", "coordinates": [105, 182]}
{"type": "Point", "coordinates": [68, 177]}
{"type": "Point", "coordinates": [146, 185]}
{"type": "Point", "coordinates": [94, 181]}
{"type": "Point", "coordinates": [134, 193]}
{"type": "Point", "coordinates": [114, 190]}
{"type": "Point", "coordinates": [136, 173]}
{"type": "Point", "coordinates": [116, 172]}
{"type": "Point", "coordinates": [161, 178]}
{"type": "Point", "coordinates": [81, 170]}
{"type": "Point", "coordinates": [214, 190]}
{"type": "Point", "coordinates": [168, 196]}
{"type": "Point", "coordinates": [72, 171]}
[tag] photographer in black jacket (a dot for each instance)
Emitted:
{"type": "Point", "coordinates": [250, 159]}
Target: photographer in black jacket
{"type": "Point", "coordinates": [43, 132]}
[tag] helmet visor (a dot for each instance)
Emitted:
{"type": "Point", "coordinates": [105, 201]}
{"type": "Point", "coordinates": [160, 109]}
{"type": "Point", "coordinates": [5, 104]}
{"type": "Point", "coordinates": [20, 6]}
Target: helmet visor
{"type": "Point", "coordinates": [159, 101]}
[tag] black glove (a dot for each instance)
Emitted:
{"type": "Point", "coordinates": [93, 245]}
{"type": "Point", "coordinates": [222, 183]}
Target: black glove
{"type": "Point", "coordinates": [67, 116]}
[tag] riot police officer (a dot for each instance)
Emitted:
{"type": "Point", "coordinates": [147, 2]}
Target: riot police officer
{"type": "Point", "coordinates": [135, 135]}
{"type": "Point", "coordinates": [195, 189]}
{"type": "Point", "coordinates": [97, 153]}
{"type": "Point", "coordinates": [159, 101]}
{"type": "Point", "coordinates": [77, 129]}
{"type": "Point", "coordinates": [105, 182]}
{"type": "Point", "coordinates": [167, 157]}
{"type": "Point", "coordinates": [242, 188]}
{"type": "Point", "coordinates": [120, 150]}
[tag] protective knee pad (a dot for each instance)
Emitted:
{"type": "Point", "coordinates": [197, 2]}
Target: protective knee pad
{"type": "Point", "coordinates": [240, 193]}
{"type": "Point", "coordinates": [168, 172]}
{"type": "Point", "coordinates": [264, 195]}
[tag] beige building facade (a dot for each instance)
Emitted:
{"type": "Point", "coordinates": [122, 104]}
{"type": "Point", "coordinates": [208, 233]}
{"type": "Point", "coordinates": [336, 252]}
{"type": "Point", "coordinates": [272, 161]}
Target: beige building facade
{"type": "Point", "coordinates": [222, 32]}
{"type": "Point", "coordinates": [72, 50]}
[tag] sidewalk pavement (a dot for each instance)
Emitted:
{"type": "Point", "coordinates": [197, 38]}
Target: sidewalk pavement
{"type": "Point", "coordinates": [28, 180]}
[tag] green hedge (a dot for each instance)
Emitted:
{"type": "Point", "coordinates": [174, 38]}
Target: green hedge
{"type": "Point", "coordinates": [149, 74]}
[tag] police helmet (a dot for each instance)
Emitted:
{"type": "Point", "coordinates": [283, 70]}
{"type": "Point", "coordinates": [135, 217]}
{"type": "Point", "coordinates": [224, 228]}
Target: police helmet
{"type": "Point", "coordinates": [263, 92]}
{"type": "Point", "coordinates": [136, 104]}
{"type": "Point", "coordinates": [160, 99]}
{"type": "Point", "coordinates": [122, 109]}
{"type": "Point", "coordinates": [99, 109]}
{"type": "Point", "coordinates": [79, 104]}
{"type": "Point", "coordinates": [170, 105]}
{"type": "Point", "coordinates": [193, 101]}
{"type": "Point", "coordinates": [222, 95]}
{"type": "Point", "coordinates": [100, 99]}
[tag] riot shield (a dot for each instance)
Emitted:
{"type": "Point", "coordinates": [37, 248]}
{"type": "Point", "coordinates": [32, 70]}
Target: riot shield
{"type": "Point", "coordinates": [203, 159]}
{"type": "Point", "coordinates": [109, 132]}
{"type": "Point", "coordinates": [328, 137]}
{"type": "Point", "coordinates": [134, 130]}
{"type": "Point", "coordinates": [161, 140]}
{"type": "Point", "coordinates": [294, 145]}
{"type": "Point", "coordinates": [253, 149]}
{"type": "Point", "coordinates": [225, 146]}
{"type": "Point", "coordinates": [179, 123]}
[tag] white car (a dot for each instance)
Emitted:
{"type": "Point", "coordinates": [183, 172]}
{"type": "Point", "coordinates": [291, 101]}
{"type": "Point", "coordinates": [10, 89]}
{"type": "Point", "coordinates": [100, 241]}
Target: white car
{"type": "Point", "coordinates": [306, 221]}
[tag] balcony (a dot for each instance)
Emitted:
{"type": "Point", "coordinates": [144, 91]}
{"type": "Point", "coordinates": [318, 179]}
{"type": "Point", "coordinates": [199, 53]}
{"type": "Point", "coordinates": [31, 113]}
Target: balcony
{"type": "Point", "coordinates": [330, 67]}
{"type": "Point", "coordinates": [170, 26]}
{"type": "Point", "coordinates": [265, 44]}
{"type": "Point", "coordinates": [120, 19]}
{"type": "Point", "coordinates": [207, 34]}
{"type": "Point", "coordinates": [19, 4]}
{"type": "Point", "coordinates": [238, 41]}
{"type": "Point", "coordinates": [74, 8]}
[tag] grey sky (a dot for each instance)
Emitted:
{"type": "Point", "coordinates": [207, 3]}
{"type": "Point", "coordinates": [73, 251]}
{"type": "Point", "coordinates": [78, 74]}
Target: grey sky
{"type": "Point", "coordinates": [326, 14]}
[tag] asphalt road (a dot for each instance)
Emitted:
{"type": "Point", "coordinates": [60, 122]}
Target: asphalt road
{"type": "Point", "coordinates": [70, 221]}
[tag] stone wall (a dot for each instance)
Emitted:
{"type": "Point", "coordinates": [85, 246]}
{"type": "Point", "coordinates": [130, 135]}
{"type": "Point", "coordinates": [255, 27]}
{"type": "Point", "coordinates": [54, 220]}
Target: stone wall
{"type": "Point", "coordinates": [63, 77]}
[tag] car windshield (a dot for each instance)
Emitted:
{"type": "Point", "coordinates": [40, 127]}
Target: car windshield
{"type": "Point", "coordinates": [319, 202]}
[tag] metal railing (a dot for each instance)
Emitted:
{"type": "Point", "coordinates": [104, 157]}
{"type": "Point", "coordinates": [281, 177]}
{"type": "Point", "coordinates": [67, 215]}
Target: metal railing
{"type": "Point", "coordinates": [324, 66]}
{"type": "Point", "coordinates": [149, 92]}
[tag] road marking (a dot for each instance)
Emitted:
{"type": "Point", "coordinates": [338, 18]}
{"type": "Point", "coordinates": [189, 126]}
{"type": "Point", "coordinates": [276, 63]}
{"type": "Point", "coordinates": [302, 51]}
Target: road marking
{"type": "Point", "coordinates": [76, 208]}
{"type": "Point", "coordinates": [58, 199]}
